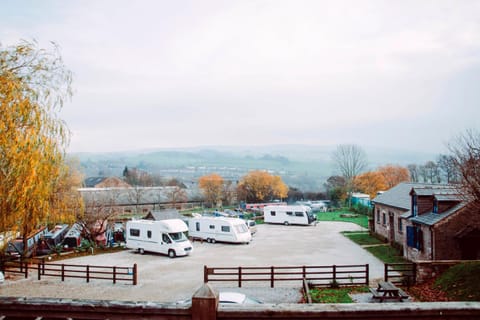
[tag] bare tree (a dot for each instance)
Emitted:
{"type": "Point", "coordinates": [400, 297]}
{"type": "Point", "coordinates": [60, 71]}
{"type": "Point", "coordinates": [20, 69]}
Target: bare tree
{"type": "Point", "coordinates": [176, 195]}
{"type": "Point", "coordinates": [414, 172]}
{"type": "Point", "coordinates": [466, 155]}
{"type": "Point", "coordinates": [446, 165]}
{"type": "Point", "coordinates": [351, 160]}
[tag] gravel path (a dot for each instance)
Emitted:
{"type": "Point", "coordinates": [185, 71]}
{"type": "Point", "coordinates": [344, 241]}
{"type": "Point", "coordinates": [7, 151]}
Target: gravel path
{"type": "Point", "coordinates": [163, 279]}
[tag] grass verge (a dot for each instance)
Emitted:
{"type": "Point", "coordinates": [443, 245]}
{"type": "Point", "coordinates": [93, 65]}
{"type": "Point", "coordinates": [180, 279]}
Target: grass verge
{"type": "Point", "coordinates": [335, 295]}
{"type": "Point", "coordinates": [387, 254]}
{"type": "Point", "coordinates": [460, 282]}
{"type": "Point", "coordinates": [362, 238]}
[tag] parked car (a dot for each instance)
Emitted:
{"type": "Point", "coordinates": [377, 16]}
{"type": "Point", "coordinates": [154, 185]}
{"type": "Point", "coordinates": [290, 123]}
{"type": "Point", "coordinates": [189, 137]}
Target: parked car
{"type": "Point", "coordinates": [236, 298]}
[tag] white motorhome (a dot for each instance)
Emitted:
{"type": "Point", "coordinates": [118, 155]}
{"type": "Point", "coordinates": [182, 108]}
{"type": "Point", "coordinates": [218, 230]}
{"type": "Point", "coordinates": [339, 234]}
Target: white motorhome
{"type": "Point", "coordinates": [164, 236]}
{"type": "Point", "coordinates": [288, 215]}
{"type": "Point", "coordinates": [222, 229]}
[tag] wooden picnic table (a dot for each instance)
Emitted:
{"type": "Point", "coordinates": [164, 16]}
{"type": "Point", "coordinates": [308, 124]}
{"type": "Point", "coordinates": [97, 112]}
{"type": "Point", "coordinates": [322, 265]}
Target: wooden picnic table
{"type": "Point", "coordinates": [388, 291]}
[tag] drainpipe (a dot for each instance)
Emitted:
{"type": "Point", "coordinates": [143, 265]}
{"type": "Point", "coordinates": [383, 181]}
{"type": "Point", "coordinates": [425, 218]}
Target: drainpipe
{"type": "Point", "coordinates": [433, 243]}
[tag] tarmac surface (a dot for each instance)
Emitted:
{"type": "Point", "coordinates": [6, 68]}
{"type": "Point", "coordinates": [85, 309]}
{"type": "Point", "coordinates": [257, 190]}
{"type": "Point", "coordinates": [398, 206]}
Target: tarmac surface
{"type": "Point", "coordinates": [162, 279]}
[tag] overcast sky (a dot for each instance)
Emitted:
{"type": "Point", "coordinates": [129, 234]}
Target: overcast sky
{"type": "Point", "coordinates": [154, 74]}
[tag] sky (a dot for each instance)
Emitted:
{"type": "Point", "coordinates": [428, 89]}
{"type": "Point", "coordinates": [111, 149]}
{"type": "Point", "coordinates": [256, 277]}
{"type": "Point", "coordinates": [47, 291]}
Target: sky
{"type": "Point", "coordinates": [173, 74]}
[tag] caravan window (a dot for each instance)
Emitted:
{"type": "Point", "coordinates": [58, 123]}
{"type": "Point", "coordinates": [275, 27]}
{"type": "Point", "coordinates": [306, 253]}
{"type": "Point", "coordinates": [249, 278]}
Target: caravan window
{"type": "Point", "coordinates": [289, 213]}
{"type": "Point", "coordinates": [212, 226]}
{"type": "Point", "coordinates": [135, 232]}
{"type": "Point", "coordinates": [272, 213]}
{"type": "Point", "coordinates": [149, 234]}
{"type": "Point", "coordinates": [241, 228]}
{"type": "Point", "coordinates": [225, 229]}
{"type": "Point", "coordinates": [299, 214]}
{"type": "Point", "coordinates": [197, 226]}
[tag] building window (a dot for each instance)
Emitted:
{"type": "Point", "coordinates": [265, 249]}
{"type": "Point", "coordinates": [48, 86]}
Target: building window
{"type": "Point", "coordinates": [378, 216]}
{"type": "Point", "coordinates": [384, 218]}
{"type": "Point", "coordinates": [435, 206]}
{"type": "Point", "coordinates": [415, 237]}
{"type": "Point", "coordinates": [400, 225]}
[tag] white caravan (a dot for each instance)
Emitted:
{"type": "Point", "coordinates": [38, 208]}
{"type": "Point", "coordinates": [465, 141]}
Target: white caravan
{"type": "Point", "coordinates": [164, 236]}
{"type": "Point", "coordinates": [222, 229]}
{"type": "Point", "coordinates": [288, 215]}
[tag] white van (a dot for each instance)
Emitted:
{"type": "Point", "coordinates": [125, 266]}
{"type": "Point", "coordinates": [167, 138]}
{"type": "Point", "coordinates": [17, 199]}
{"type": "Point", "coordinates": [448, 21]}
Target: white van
{"type": "Point", "coordinates": [288, 215]}
{"type": "Point", "coordinates": [223, 229]}
{"type": "Point", "coordinates": [164, 236]}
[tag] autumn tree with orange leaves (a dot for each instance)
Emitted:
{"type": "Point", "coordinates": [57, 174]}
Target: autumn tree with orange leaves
{"type": "Point", "coordinates": [212, 188]}
{"type": "Point", "coordinates": [382, 179]}
{"type": "Point", "coordinates": [259, 186]}
{"type": "Point", "coordinates": [34, 176]}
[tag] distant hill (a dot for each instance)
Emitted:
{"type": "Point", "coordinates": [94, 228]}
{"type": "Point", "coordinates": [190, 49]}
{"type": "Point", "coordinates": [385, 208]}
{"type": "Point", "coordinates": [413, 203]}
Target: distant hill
{"type": "Point", "coordinates": [304, 167]}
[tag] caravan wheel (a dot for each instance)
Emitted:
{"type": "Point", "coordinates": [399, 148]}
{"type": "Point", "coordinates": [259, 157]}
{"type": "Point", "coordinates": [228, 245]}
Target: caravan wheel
{"type": "Point", "coordinates": [209, 240]}
{"type": "Point", "coordinates": [286, 223]}
{"type": "Point", "coordinates": [213, 240]}
{"type": "Point", "coordinates": [141, 250]}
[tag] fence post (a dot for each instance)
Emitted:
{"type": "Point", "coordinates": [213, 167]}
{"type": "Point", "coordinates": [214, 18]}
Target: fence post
{"type": "Point", "coordinates": [205, 274]}
{"type": "Point", "coordinates": [239, 277]}
{"type": "Point", "coordinates": [43, 266]}
{"type": "Point", "coordinates": [272, 277]}
{"type": "Point", "coordinates": [385, 275]}
{"type": "Point", "coordinates": [304, 272]}
{"type": "Point", "coordinates": [88, 273]}
{"type": "Point", "coordinates": [63, 272]}
{"type": "Point", "coordinates": [39, 270]}
{"type": "Point", "coordinates": [114, 274]}
{"type": "Point", "coordinates": [26, 270]}
{"type": "Point", "coordinates": [334, 274]}
{"type": "Point", "coordinates": [204, 303]}
{"type": "Point", "coordinates": [134, 274]}
{"type": "Point", "coordinates": [367, 274]}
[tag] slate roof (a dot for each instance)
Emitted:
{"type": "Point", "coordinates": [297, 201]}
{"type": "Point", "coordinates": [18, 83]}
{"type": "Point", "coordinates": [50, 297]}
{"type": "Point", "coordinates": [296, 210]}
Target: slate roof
{"type": "Point", "coordinates": [431, 218]}
{"type": "Point", "coordinates": [130, 196]}
{"type": "Point", "coordinates": [436, 189]}
{"type": "Point", "coordinates": [399, 196]}
{"type": "Point", "coordinates": [93, 181]}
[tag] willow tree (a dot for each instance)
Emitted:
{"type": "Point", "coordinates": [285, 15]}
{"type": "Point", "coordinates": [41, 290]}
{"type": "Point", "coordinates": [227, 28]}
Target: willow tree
{"type": "Point", "coordinates": [34, 84]}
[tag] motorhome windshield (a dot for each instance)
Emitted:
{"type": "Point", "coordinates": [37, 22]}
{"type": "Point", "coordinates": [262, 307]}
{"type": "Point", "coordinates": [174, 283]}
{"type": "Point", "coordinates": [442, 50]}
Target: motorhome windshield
{"type": "Point", "coordinates": [178, 236]}
{"type": "Point", "coordinates": [241, 228]}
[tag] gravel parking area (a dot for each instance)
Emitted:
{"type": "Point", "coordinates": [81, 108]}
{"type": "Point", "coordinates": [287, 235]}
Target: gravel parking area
{"type": "Point", "coordinates": [163, 279]}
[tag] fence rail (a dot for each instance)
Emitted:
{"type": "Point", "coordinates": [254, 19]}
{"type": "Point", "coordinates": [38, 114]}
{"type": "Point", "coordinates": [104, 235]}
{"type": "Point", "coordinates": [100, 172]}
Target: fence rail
{"type": "Point", "coordinates": [401, 273]}
{"type": "Point", "coordinates": [63, 271]}
{"type": "Point", "coordinates": [344, 275]}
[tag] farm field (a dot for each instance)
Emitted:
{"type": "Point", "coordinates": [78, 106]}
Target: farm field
{"type": "Point", "coordinates": [163, 279]}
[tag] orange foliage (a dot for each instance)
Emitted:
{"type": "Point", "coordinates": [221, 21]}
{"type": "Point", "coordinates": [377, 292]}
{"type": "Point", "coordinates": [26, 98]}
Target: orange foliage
{"type": "Point", "coordinates": [393, 175]}
{"type": "Point", "coordinates": [370, 183]}
{"type": "Point", "coordinates": [259, 186]}
{"type": "Point", "coordinates": [212, 188]}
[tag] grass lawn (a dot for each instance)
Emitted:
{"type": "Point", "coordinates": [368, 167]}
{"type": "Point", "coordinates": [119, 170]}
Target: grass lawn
{"type": "Point", "coordinates": [362, 238]}
{"type": "Point", "coordinates": [335, 295]}
{"type": "Point", "coordinates": [360, 219]}
{"type": "Point", "coordinates": [387, 254]}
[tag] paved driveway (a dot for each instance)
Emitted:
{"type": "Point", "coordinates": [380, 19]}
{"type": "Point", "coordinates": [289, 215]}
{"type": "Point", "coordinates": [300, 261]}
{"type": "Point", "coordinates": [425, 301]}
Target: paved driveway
{"type": "Point", "coordinates": [166, 280]}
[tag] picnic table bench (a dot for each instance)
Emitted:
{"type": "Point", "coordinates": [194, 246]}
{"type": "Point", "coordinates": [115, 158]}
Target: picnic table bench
{"type": "Point", "coordinates": [388, 291]}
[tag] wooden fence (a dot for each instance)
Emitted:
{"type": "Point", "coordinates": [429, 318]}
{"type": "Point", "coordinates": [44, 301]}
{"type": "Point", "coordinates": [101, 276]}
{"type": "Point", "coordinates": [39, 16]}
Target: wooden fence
{"type": "Point", "coordinates": [401, 273]}
{"type": "Point", "coordinates": [63, 271]}
{"type": "Point", "coordinates": [342, 275]}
